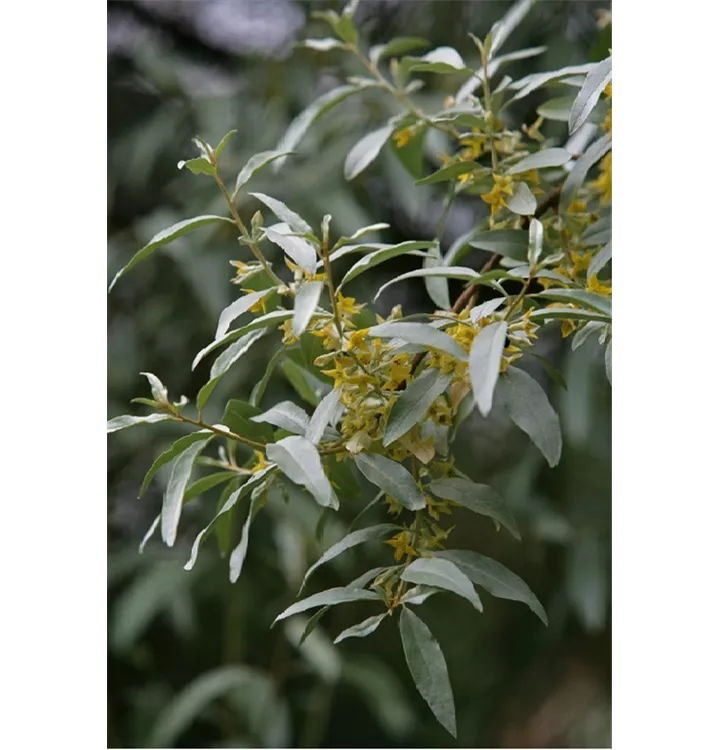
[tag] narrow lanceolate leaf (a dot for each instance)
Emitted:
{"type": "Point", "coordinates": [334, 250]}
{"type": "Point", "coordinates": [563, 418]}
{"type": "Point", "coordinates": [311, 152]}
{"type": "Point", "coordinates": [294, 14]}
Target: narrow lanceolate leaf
{"type": "Point", "coordinates": [530, 83]}
{"type": "Point", "coordinates": [286, 415]}
{"type": "Point", "coordinates": [419, 333]}
{"type": "Point", "coordinates": [256, 164]}
{"type": "Point", "coordinates": [511, 243]}
{"type": "Point", "coordinates": [312, 623]}
{"type": "Point", "coordinates": [529, 408]}
{"type": "Point", "coordinates": [362, 629]}
{"type": "Point", "coordinates": [172, 452]}
{"type": "Point", "coordinates": [549, 157]}
{"type": "Point", "coordinates": [322, 45]}
{"type": "Point", "coordinates": [501, 30]}
{"type": "Point", "coordinates": [444, 272]}
{"type": "Point", "coordinates": [413, 403]}
{"type": "Point", "coordinates": [329, 597]}
{"type": "Point", "coordinates": [365, 151]}
{"type": "Point", "coordinates": [591, 300]}
{"type": "Point", "coordinates": [598, 233]}
{"type": "Point", "coordinates": [206, 483]}
{"type": "Point", "coordinates": [430, 571]}
{"type": "Point", "coordinates": [351, 540]}
{"type": "Point", "coordinates": [158, 388]}
{"type": "Point", "coordinates": [239, 553]}
{"type": "Point", "coordinates": [480, 498]}
{"type": "Point", "coordinates": [166, 236]}
{"type": "Point", "coordinates": [436, 286]}
{"type": "Point", "coordinates": [498, 580]}
{"type": "Point", "coordinates": [391, 477]}
{"type": "Point", "coordinates": [231, 501]}
{"type": "Point", "coordinates": [358, 234]}
{"type": "Point", "coordinates": [299, 250]}
{"type": "Point", "coordinates": [380, 256]}
{"type": "Point", "coordinates": [295, 222]}
{"type": "Point", "coordinates": [599, 260]}
{"type": "Point", "coordinates": [419, 594]}
{"type": "Point", "coordinates": [569, 313]}
{"type": "Point", "coordinates": [485, 363]}
{"type": "Point", "coordinates": [535, 241]}
{"type": "Point", "coordinates": [609, 362]}
{"type": "Point", "coordinates": [269, 320]}
{"type": "Point", "coordinates": [589, 94]}
{"type": "Point", "coordinates": [523, 201]}
{"type": "Point", "coordinates": [444, 60]}
{"type": "Point", "coordinates": [198, 166]}
{"type": "Point", "coordinates": [428, 668]}
{"type": "Point", "coordinates": [301, 123]}
{"type": "Point", "coordinates": [485, 309]}
{"type": "Point", "coordinates": [172, 503]}
{"type": "Point", "coordinates": [225, 360]}
{"type": "Point", "coordinates": [237, 308]}
{"type": "Point", "coordinates": [577, 176]}
{"type": "Point", "coordinates": [305, 303]}
{"type": "Point", "coordinates": [300, 461]}
{"type": "Point", "coordinates": [125, 421]}
{"type": "Point", "coordinates": [223, 143]}
{"type": "Point", "coordinates": [323, 416]}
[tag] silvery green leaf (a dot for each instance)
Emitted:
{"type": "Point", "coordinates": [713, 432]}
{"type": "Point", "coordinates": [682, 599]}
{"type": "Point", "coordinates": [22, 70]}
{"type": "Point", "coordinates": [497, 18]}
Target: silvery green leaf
{"type": "Point", "coordinates": [583, 297]}
{"type": "Point", "coordinates": [225, 360]}
{"type": "Point", "coordinates": [396, 47]}
{"type": "Point", "coordinates": [125, 421]}
{"type": "Point", "coordinates": [598, 233]}
{"type": "Point", "coordinates": [530, 83]}
{"type": "Point", "coordinates": [479, 498]}
{"type": "Point", "coordinates": [223, 144]}
{"type": "Point", "coordinates": [172, 452]}
{"type": "Point", "coordinates": [431, 571]}
{"type": "Point", "coordinates": [365, 151]}
{"type": "Point", "coordinates": [392, 478]}
{"type": "Point", "coordinates": [588, 96]}
{"type": "Point", "coordinates": [239, 553]}
{"type": "Point", "coordinates": [523, 201]}
{"type": "Point", "coordinates": [322, 45]}
{"type": "Point", "coordinates": [257, 163]}
{"type": "Point", "coordinates": [428, 668]}
{"type": "Point", "coordinates": [440, 60]}
{"type": "Point", "coordinates": [179, 477]}
{"type": "Point", "coordinates": [359, 233]}
{"type": "Point", "coordinates": [570, 313]}
{"type": "Point", "coordinates": [419, 594]}
{"type": "Point", "coordinates": [294, 221]}
{"type": "Point", "coordinates": [166, 236]}
{"type": "Point", "coordinates": [580, 337]}
{"type": "Point", "coordinates": [437, 287]}
{"type": "Point", "coordinates": [577, 176]}
{"type": "Point", "coordinates": [286, 415]}
{"type": "Point", "coordinates": [445, 272]}
{"type": "Point", "coordinates": [237, 308]}
{"type": "Point", "coordinates": [158, 388]}
{"type": "Point", "coordinates": [498, 580]}
{"type": "Point", "coordinates": [413, 403]}
{"type": "Point", "coordinates": [485, 309]}
{"type": "Point", "coordinates": [362, 629]}
{"type": "Point", "coordinates": [535, 241]}
{"type": "Point", "coordinates": [609, 361]}
{"type": "Point", "coordinates": [548, 157]}
{"type": "Point", "coordinates": [450, 172]}
{"type": "Point", "coordinates": [510, 243]}
{"type": "Point", "coordinates": [300, 461]}
{"type": "Point", "coordinates": [150, 533]}
{"type": "Point", "coordinates": [599, 260]}
{"type": "Point", "coordinates": [300, 251]}
{"type": "Point", "coordinates": [386, 252]}
{"type": "Point", "coordinates": [529, 408]}
{"type": "Point", "coordinates": [501, 30]}
{"type": "Point", "coordinates": [323, 416]}
{"type": "Point", "coordinates": [329, 597]}
{"type": "Point", "coordinates": [419, 333]}
{"type": "Point", "coordinates": [305, 303]}
{"type": "Point", "coordinates": [485, 362]}
{"type": "Point", "coordinates": [198, 166]}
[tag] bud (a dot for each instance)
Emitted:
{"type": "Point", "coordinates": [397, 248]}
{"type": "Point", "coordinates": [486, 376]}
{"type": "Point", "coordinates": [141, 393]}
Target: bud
{"type": "Point", "coordinates": [257, 220]}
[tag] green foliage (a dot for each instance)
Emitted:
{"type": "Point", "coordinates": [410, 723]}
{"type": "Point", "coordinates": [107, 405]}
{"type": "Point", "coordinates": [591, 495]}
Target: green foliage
{"type": "Point", "coordinates": [389, 394]}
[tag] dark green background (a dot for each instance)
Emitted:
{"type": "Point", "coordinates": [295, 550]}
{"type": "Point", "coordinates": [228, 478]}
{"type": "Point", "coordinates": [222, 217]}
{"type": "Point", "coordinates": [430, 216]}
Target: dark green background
{"type": "Point", "coordinates": [180, 69]}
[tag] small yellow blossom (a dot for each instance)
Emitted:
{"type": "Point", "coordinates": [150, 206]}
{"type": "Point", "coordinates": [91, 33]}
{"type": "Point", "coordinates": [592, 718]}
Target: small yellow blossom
{"type": "Point", "coordinates": [594, 285]}
{"type": "Point", "coordinates": [495, 198]}
{"type": "Point", "coordinates": [261, 462]}
{"type": "Point", "coordinates": [567, 327]}
{"type": "Point", "coordinates": [357, 340]}
{"type": "Point", "coordinates": [289, 337]}
{"type": "Point", "coordinates": [576, 207]}
{"type": "Point", "coordinates": [347, 305]}
{"type": "Point", "coordinates": [403, 136]}
{"type": "Point", "coordinates": [603, 183]}
{"type": "Point", "coordinates": [402, 546]}
{"type": "Point", "coordinates": [533, 131]}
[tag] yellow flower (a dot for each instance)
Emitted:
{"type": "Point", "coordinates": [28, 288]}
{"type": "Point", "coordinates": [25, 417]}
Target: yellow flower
{"type": "Point", "coordinates": [603, 183]}
{"type": "Point", "coordinates": [399, 372]}
{"type": "Point", "coordinates": [608, 91]}
{"type": "Point", "coordinates": [241, 267]}
{"type": "Point", "coordinates": [533, 131]}
{"type": "Point", "coordinates": [474, 145]}
{"type": "Point", "coordinates": [260, 305]}
{"type": "Point", "coordinates": [356, 340]}
{"type": "Point", "coordinates": [403, 136]}
{"type": "Point", "coordinates": [594, 285]}
{"type": "Point", "coordinates": [401, 545]}
{"type": "Point", "coordinates": [261, 462]}
{"type": "Point", "coordinates": [347, 305]}
{"type": "Point", "coordinates": [567, 327]}
{"type": "Point", "coordinates": [576, 207]}
{"type": "Point", "coordinates": [289, 337]}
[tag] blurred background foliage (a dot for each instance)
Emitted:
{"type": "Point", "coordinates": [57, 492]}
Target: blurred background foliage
{"type": "Point", "coordinates": [191, 659]}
